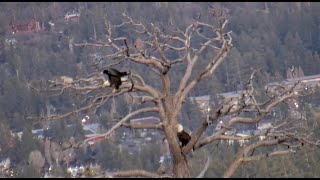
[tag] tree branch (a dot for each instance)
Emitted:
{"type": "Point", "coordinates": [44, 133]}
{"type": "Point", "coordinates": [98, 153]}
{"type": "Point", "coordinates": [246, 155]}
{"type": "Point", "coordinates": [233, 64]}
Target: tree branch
{"type": "Point", "coordinates": [133, 173]}
{"type": "Point", "coordinates": [142, 126]}
{"type": "Point", "coordinates": [126, 118]}
{"type": "Point", "coordinates": [266, 155]}
{"type": "Point", "coordinates": [208, 70]}
{"type": "Point", "coordinates": [205, 168]}
{"type": "Point", "coordinates": [246, 156]}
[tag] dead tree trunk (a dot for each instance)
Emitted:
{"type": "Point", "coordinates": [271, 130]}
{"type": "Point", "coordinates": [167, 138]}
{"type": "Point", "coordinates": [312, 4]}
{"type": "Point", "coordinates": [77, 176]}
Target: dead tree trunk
{"type": "Point", "coordinates": [169, 120]}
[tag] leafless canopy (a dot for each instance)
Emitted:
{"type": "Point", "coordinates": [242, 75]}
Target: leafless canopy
{"type": "Point", "coordinates": [151, 50]}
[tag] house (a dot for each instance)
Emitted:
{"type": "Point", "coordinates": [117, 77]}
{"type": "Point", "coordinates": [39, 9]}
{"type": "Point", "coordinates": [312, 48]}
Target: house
{"type": "Point", "coordinates": [94, 127]}
{"type": "Point", "coordinates": [234, 96]}
{"type": "Point", "coordinates": [51, 23]}
{"type": "Point", "coordinates": [244, 134]}
{"type": "Point", "coordinates": [293, 104]}
{"type": "Point", "coordinates": [306, 82]}
{"type": "Point", "coordinates": [231, 105]}
{"type": "Point", "coordinates": [16, 133]}
{"type": "Point", "coordinates": [38, 133]}
{"type": "Point", "coordinates": [72, 17]}
{"type": "Point", "coordinates": [265, 124]}
{"type": "Point", "coordinates": [262, 133]}
{"type": "Point", "coordinates": [166, 159]}
{"type": "Point", "coordinates": [11, 41]}
{"type": "Point", "coordinates": [202, 102]}
{"type": "Point", "coordinates": [233, 102]}
{"type": "Point", "coordinates": [230, 133]}
{"type": "Point", "coordinates": [146, 134]}
{"type": "Point", "coordinates": [32, 26]}
{"type": "Point", "coordinates": [134, 138]}
{"type": "Point", "coordinates": [91, 132]}
{"type": "Point", "coordinates": [229, 95]}
{"type": "Point", "coordinates": [77, 170]}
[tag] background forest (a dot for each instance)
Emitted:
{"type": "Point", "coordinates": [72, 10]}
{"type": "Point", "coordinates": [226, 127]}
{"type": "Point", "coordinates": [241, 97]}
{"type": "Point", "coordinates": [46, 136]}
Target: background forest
{"type": "Point", "coordinates": [273, 36]}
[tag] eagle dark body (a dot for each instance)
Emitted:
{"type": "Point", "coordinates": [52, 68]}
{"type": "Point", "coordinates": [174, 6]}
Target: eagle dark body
{"type": "Point", "coordinates": [115, 76]}
{"type": "Point", "coordinates": [184, 138]}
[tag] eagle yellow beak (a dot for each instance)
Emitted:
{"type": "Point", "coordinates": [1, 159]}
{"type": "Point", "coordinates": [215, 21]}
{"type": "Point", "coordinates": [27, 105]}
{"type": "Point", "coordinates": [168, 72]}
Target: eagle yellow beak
{"type": "Point", "coordinates": [105, 84]}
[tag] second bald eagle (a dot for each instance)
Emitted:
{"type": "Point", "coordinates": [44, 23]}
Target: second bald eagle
{"type": "Point", "coordinates": [116, 77]}
{"type": "Point", "coordinates": [183, 136]}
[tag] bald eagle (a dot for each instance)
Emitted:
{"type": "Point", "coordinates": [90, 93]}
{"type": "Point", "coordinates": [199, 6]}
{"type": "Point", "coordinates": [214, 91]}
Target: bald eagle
{"type": "Point", "coordinates": [116, 77]}
{"type": "Point", "coordinates": [183, 136]}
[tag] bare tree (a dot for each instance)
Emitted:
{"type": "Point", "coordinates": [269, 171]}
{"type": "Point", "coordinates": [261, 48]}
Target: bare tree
{"type": "Point", "coordinates": [152, 51]}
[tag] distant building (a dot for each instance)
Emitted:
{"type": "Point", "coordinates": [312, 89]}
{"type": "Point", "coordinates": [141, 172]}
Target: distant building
{"type": "Point", "coordinates": [233, 96]}
{"type": "Point", "coordinates": [305, 83]}
{"type": "Point", "coordinates": [51, 23]}
{"type": "Point", "coordinates": [32, 26]}
{"type": "Point", "coordinates": [133, 139]}
{"type": "Point", "coordinates": [244, 134]}
{"type": "Point", "coordinates": [202, 102]}
{"type": "Point", "coordinates": [16, 134]}
{"type": "Point", "coordinates": [72, 17]}
{"type": "Point", "coordinates": [92, 132]}
{"type": "Point", "coordinates": [265, 124]}
{"type": "Point", "coordinates": [232, 102]}
{"type": "Point", "coordinates": [308, 81]}
{"type": "Point", "coordinates": [295, 75]}
{"type": "Point", "coordinates": [11, 41]}
{"type": "Point", "coordinates": [38, 133]}
{"type": "Point", "coordinates": [146, 134]}
{"type": "Point", "coordinates": [94, 128]}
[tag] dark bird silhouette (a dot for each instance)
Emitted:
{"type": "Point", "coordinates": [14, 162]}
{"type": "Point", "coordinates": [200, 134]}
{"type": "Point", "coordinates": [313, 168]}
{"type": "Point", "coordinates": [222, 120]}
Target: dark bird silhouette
{"type": "Point", "coordinates": [116, 77]}
{"type": "Point", "coordinates": [183, 136]}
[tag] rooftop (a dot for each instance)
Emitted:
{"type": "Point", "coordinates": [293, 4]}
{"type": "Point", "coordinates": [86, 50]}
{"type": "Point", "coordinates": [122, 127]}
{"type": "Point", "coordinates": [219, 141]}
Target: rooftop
{"type": "Point", "coordinates": [312, 80]}
{"type": "Point", "coordinates": [232, 94]}
{"type": "Point", "coordinates": [305, 78]}
{"type": "Point", "coordinates": [201, 98]}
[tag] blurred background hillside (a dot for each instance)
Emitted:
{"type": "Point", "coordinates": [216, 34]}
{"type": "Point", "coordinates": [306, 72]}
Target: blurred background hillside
{"type": "Point", "coordinates": [36, 45]}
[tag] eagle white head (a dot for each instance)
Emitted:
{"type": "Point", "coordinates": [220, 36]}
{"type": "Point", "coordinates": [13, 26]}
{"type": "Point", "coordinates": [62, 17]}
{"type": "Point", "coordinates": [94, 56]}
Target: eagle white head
{"type": "Point", "coordinates": [84, 120]}
{"type": "Point", "coordinates": [106, 84]}
{"type": "Point", "coordinates": [179, 128]}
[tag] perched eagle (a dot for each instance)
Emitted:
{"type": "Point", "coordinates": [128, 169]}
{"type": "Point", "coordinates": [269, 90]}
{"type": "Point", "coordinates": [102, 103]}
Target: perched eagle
{"type": "Point", "coordinates": [116, 77]}
{"type": "Point", "coordinates": [183, 136]}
